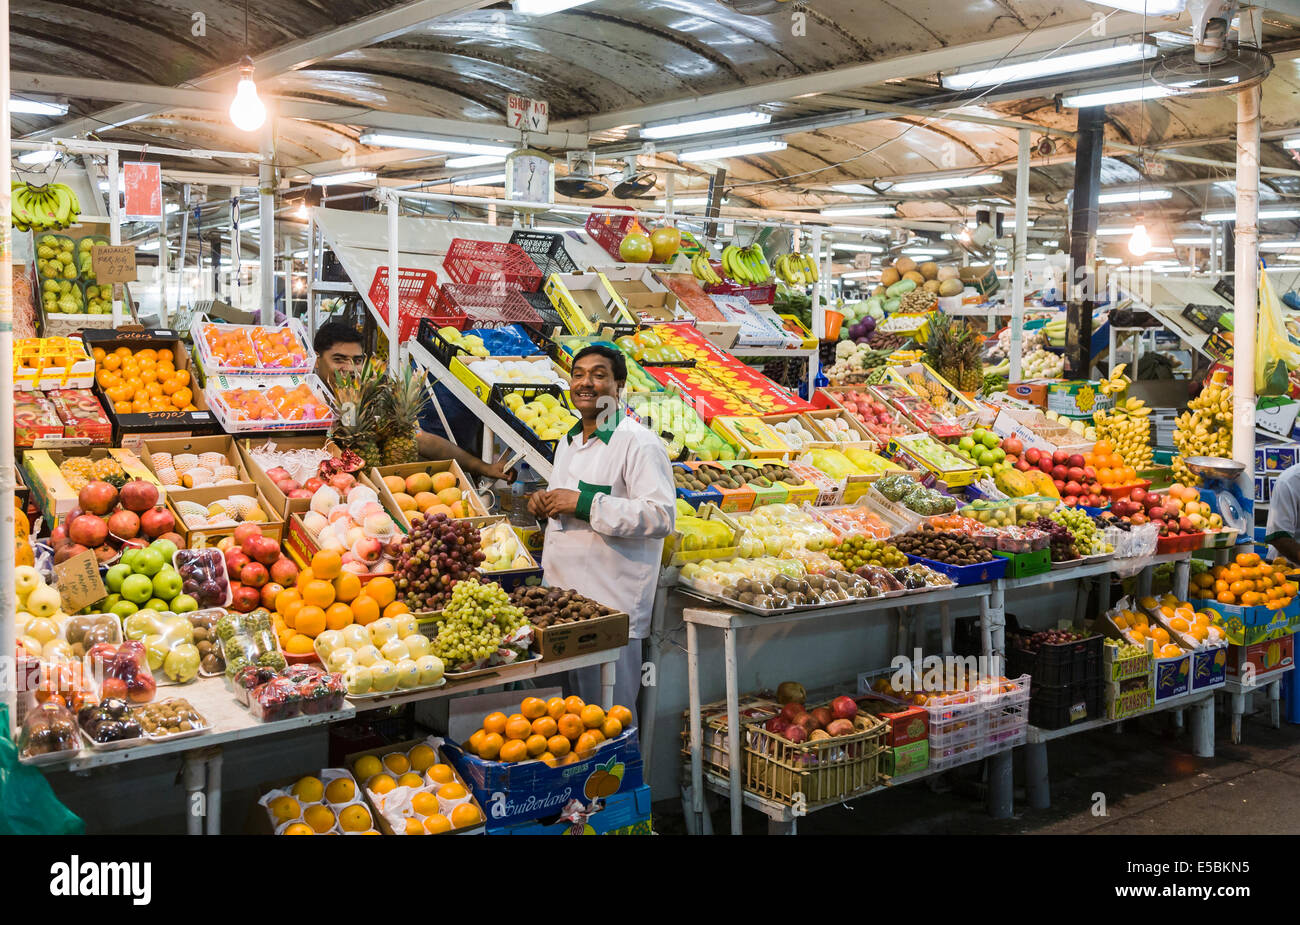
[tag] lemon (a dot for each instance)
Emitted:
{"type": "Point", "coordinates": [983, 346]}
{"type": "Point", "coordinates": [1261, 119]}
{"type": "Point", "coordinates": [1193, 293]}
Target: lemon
{"type": "Point", "coordinates": [355, 818]}
{"type": "Point", "coordinates": [308, 789]}
{"type": "Point", "coordinates": [341, 790]}
{"type": "Point", "coordinates": [284, 809]}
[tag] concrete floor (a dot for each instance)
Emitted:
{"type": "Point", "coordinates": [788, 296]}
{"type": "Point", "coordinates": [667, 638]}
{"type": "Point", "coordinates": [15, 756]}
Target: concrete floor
{"type": "Point", "coordinates": [1151, 783]}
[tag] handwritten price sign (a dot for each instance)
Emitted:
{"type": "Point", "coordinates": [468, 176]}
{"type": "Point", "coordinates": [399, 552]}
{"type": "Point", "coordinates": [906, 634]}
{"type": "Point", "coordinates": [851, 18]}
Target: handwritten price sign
{"type": "Point", "coordinates": [527, 115]}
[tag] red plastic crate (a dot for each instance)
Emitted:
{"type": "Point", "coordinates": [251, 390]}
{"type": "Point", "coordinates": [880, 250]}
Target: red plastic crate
{"type": "Point", "coordinates": [416, 294]}
{"type": "Point", "coordinates": [486, 306]}
{"type": "Point", "coordinates": [469, 261]}
{"type": "Point", "coordinates": [609, 230]}
{"type": "Point", "coordinates": [1184, 543]}
{"type": "Point", "coordinates": [1123, 491]}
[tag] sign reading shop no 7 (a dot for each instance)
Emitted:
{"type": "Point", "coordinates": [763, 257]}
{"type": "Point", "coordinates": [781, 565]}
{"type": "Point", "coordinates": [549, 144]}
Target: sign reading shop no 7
{"type": "Point", "coordinates": [527, 115]}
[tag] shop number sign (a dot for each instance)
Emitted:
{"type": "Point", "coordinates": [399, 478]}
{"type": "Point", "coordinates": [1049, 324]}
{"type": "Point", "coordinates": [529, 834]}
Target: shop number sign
{"type": "Point", "coordinates": [527, 115]}
{"type": "Point", "coordinates": [142, 191]}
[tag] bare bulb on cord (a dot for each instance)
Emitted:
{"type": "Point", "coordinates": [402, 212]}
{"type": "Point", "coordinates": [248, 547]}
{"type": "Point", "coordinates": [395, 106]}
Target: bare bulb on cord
{"type": "Point", "coordinates": [1140, 243]}
{"type": "Point", "coordinates": [246, 110]}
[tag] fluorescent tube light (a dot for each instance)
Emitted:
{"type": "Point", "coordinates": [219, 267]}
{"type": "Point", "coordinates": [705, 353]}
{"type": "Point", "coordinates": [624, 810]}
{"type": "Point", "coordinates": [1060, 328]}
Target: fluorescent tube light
{"type": "Point", "coordinates": [487, 179]}
{"type": "Point", "coordinates": [681, 202]}
{"type": "Point", "coordinates": [1044, 67]}
{"type": "Point", "coordinates": [1114, 232]}
{"type": "Point", "coordinates": [148, 246]}
{"type": "Point", "coordinates": [37, 107]}
{"type": "Point", "coordinates": [1278, 245]}
{"type": "Point", "coordinates": [699, 125]}
{"type": "Point", "coordinates": [300, 255]}
{"type": "Point", "coordinates": [860, 274]}
{"type": "Point", "coordinates": [1263, 213]}
{"type": "Point", "coordinates": [1109, 97]}
{"type": "Point", "coordinates": [351, 176]}
{"type": "Point", "coordinates": [561, 228]}
{"type": "Point", "coordinates": [926, 251]}
{"type": "Point", "coordinates": [545, 7]}
{"type": "Point", "coordinates": [832, 211]}
{"type": "Point", "coordinates": [43, 156]}
{"type": "Point", "coordinates": [433, 143]}
{"type": "Point", "coordinates": [860, 248]}
{"type": "Point", "coordinates": [1036, 256]}
{"type": "Point", "coordinates": [1145, 7]}
{"type": "Point", "coordinates": [1146, 195]}
{"type": "Point", "coordinates": [1291, 143]}
{"type": "Point", "coordinates": [856, 189]}
{"type": "Point", "coordinates": [733, 150]}
{"type": "Point", "coordinates": [920, 186]}
{"type": "Point", "coordinates": [1193, 242]}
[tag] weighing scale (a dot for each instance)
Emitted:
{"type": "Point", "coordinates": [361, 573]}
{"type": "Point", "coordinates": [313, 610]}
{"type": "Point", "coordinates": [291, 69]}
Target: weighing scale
{"type": "Point", "coordinates": [1224, 493]}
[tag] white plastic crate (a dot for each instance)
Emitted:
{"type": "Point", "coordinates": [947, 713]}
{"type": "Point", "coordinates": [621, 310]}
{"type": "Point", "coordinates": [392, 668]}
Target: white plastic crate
{"type": "Point", "coordinates": [1008, 713]}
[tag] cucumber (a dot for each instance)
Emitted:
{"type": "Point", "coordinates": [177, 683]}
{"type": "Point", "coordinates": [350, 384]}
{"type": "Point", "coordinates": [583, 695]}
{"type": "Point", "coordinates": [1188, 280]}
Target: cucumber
{"type": "Point", "coordinates": [900, 288]}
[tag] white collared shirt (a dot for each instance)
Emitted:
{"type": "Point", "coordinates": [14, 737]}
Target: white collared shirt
{"type": "Point", "coordinates": [611, 549]}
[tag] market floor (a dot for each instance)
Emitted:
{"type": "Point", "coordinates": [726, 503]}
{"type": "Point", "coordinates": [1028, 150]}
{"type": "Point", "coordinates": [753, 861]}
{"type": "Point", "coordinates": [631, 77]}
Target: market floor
{"type": "Point", "coordinates": [1151, 783]}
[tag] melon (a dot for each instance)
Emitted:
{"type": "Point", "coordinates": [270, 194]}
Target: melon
{"type": "Point", "coordinates": [889, 276]}
{"type": "Point", "coordinates": [950, 287]}
{"type": "Point", "coordinates": [905, 265]}
{"type": "Point", "coordinates": [931, 285]}
{"type": "Point", "coordinates": [914, 277]}
{"type": "Point", "coordinates": [929, 269]}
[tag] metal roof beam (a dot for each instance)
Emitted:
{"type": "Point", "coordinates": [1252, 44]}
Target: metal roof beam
{"type": "Point", "coordinates": [290, 57]}
{"type": "Point", "coordinates": [1041, 41]}
{"type": "Point", "coordinates": [164, 98]}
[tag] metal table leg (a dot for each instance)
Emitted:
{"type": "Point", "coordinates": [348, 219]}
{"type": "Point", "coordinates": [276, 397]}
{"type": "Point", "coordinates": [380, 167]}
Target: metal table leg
{"type": "Point", "coordinates": [194, 776]}
{"type": "Point", "coordinates": [1001, 794]}
{"type": "Point", "coordinates": [1203, 728]}
{"type": "Point", "coordinates": [693, 692]}
{"type": "Point", "coordinates": [1036, 780]}
{"type": "Point", "coordinates": [733, 729]}
{"type": "Point", "coordinates": [1238, 702]}
{"type": "Point", "coordinates": [1275, 704]}
{"type": "Point", "coordinates": [607, 683]}
{"type": "Point", "coordinates": [1182, 574]}
{"type": "Point", "coordinates": [212, 791]}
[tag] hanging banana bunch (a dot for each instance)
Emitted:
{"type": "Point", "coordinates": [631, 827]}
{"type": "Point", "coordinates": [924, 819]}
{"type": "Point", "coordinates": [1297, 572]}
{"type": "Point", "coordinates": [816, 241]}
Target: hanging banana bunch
{"type": "Point", "coordinates": [703, 270]}
{"type": "Point", "coordinates": [51, 207]}
{"type": "Point", "coordinates": [796, 269]}
{"type": "Point", "coordinates": [1116, 383]}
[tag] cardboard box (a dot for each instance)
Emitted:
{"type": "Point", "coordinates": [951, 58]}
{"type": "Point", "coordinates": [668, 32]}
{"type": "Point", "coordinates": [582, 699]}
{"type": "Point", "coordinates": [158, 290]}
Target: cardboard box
{"type": "Point", "coordinates": [52, 363]}
{"type": "Point", "coordinates": [51, 491]}
{"type": "Point", "coordinates": [403, 470]}
{"type": "Point", "coordinates": [1209, 667]}
{"type": "Point", "coordinates": [301, 543]}
{"type": "Point", "coordinates": [622, 814]}
{"type": "Point", "coordinates": [1033, 392]}
{"type": "Point", "coordinates": [902, 760]}
{"type": "Point", "coordinates": [569, 639]}
{"type": "Point", "coordinates": [1280, 457]}
{"type": "Point", "coordinates": [167, 423]}
{"type": "Point", "coordinates": [283, 505]}
{"type": "Point", "coordinates": [1266, 657]}
{"type": "Point", "coordinates": [647, 299]}
{"type": "Point", "coordinates": [514, 793]}
{"type": "Point", "coordinates": [273, 526]}
{"type": "Point", "coordinates": [221, 443]}
{"type": "Point", "coordinates": [908, 724]}
{"type": "Point", "coordinates": [1078, 399]}
{"type": "Point", "coordinates": [586, 301]}
{"type": "Point", "coordinates": [1172, 676]}
{"type": "Point", "coordinates": [690, 295]}
{"type": "Point", "coordinates": [381, 822]}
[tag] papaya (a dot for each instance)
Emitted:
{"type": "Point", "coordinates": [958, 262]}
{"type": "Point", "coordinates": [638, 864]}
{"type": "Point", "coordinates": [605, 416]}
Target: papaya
{"type": "Point", "coordinates": [1043, 483]}
{"type": "Point", "coordinates": [1015, 483]}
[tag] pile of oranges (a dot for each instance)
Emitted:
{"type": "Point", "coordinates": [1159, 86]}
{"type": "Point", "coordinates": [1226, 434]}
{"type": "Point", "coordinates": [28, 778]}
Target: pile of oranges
{"type": "Point", "coordinates": [1136, 628]}
{"type": "Point", "coordinates": [143, 382]}
{"type": "Point", "coordinates": [1111, 471]}
{"type": "Point", "coordinates": [1248, 581]}
{"type": "Point", "coordinates": [441, 802]}
{"type": "Point", "coordinates": [558, 731]}
{"type": "Point", "coordinates": [327, 598]}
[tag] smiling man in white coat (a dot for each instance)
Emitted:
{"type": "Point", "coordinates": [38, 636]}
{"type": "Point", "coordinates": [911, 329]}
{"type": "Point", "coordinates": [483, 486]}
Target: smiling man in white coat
{"type": "Point", "coordinates": [609, 504]}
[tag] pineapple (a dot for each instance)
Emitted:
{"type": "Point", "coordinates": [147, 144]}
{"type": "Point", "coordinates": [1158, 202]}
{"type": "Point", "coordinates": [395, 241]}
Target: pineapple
{"type": "Point", "coordinates": [953, 351]}
{"type": "Point", "coordinates": [406, 399]}
{"type": "Point", "coordinates": [361, 399]}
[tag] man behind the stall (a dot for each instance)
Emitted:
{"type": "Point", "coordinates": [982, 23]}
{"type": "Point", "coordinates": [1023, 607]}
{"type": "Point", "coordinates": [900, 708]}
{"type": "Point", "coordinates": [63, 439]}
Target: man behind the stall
{"type": "Point", "coordinates": [609, 505]}
{"type": "Point", "coordinates": [340, 349]}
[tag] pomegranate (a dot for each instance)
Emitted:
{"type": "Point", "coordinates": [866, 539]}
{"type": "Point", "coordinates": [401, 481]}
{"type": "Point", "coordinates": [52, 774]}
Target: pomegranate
{"type": "Point", "coordinates": [277, 473]}
{"type": "Point", "coordinates": [105, 554]}
{"type": "Point", "coordinates": [795, 734]}
{"type": "Point", "coordinates": [97, 497]}
{"type": "Point", "coordinates": [807, 721]}
{"type": "Point", "coordinates": [791, 710]}
{"type": "Point", "coordinates": [67, 551]}
{"type": "Point", "coordinates": [139, 495]}
{"type": "Point", "coordinates": [823, 716]}
{"type": "Point", "coordinates": [88, 530]}
{"type": "Point", "coordinates": [159, 521]}
{"type": "Point", "coordinates": [840, 727]}
{"type": "Point", "coordinates": [844, 707]}
{"type": "Point", "coordinates": [124, 525]}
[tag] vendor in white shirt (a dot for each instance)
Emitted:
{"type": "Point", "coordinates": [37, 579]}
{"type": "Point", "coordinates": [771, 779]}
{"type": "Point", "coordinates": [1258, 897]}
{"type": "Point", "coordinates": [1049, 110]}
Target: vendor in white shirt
{"type": "Point", "coordinates": [610, 503]}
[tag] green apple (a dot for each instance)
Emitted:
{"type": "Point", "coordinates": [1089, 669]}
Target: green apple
{"type": "Point", "coordinates": [156, 603]}
{"type": "Point", "coordinates": [147, 562]}
{"type": "Point", "coordinates": [123, 609]}
{"type": "Point", "coordinates": [966, 445]}
{"type": "Point", "coordinates": [137, 588]}
{"type": "Point", "coordinates": [183, 603]}
{"type": "Point", "coordinates": [167, 584]}
{"type": "Point", "coordinates": [110, 602]}
{"type": "Point", "coordinates": [991, 439]}
{"type": "Point", "coordinates": [166, 547]}
{"type": "Point", "coordinates": [116, 575]}
{"type": "Point", "coordinates": [128, 556]}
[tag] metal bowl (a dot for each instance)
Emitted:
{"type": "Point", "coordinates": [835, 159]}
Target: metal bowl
{"type": "Point", "coordinates": [1215, 467]}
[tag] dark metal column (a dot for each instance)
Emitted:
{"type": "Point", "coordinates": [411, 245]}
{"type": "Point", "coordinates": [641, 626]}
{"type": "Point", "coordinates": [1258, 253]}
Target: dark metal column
{"type": "Point", "coordinates": [1083, 242]}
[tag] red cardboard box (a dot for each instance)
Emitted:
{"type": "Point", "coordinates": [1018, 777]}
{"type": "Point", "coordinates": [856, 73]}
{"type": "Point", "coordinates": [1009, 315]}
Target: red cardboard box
{"type": "Point", "coordinates": [1263, 657]}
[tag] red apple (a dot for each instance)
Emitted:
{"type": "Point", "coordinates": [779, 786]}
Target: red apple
{"type": "Point", "coordinates": [254, 574]}
{"type": "Point", "coordinates": [244, 599]}
{"type": "Point", "coordinates": [1138, 520]}
{"type": "Point", "coordinates": [235, 560]}
{"type": "Point", "coordinates": [1075, 461]}
{"type": "Point", "coordinates": [269, 592]}
{"type": "Point", "coordinates": [1156, 513]}
{"type": "Point", "coordinates": [1032, 455]}
{"type": "Point", "coordinates": [265, 550]}
{"type": "Point", "coordinates": [1059, 457]}
{"type": "Point", "coordinates": [1045, 463]}
{"type": "Point", "coordinates": [1139, 495]}
{"type": "Point", "coordinates": [1089, 472]}
{"type": "Point", "coordinates": [1059, 485]}
{"type": "Point", "coordinates": [1070, 501]}
{"type": "Point", "coordinates": [284, 571]}
{"type": "Point", "coordinates": [1185, 524]}
{"type": "Point", "coordinates": [1023, 464]}
{"type": "Point", "coordinates": [244, 532]}
{"type": "Point", "coordinates": [1075, 474]}
{"type": "Point", "coordinates": [1060, 473]}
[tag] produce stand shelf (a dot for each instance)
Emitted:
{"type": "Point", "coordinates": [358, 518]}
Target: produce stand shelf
{"type": "Point", "coordinates": [1037, 736]}
{"type": "Point", "coordinates": [1236, 693]}
{"type": "Point", "coordinates": [1086, 570]}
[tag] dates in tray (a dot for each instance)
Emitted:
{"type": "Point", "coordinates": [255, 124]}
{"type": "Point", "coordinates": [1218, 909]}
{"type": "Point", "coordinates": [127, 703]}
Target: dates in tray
{"type": "Point", "coordinates": [203, 576]}
{"type": "Point", "coordinates": [109, 721]}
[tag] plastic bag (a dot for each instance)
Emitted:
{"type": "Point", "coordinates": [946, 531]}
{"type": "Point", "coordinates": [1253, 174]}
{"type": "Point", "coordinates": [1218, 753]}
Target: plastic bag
{"type": "Point", "coordinates": [1275, 356]}
{"type": "Point", "coordinates": [27, 804]}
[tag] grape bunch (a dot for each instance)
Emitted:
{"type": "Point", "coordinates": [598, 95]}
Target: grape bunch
{"type": "Point", "coordinates": [474, 623]}
{"type": "Point", "coordinates": [1087, 538]}
{"type": "Point", "coordinates": [1060, 539]}
{"type": "Point", "coordinates": [856, 551]}
{"type": "Point", "coordinates": [438, 553]}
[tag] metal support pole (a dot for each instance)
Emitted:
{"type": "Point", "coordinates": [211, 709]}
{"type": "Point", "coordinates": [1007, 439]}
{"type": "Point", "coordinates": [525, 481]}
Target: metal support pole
{"type": "Point", "coordinates": [1001, 792]}
{"type": "Point", "coordinates": [115, 228]}
{"type": "Point", "coordinates": [163, 314]}
{"type": "Point", "coordinates": [193, 776]}
{"type": "Point", "coordinates": [7, 527]}
{"type": "Point", "coordinates": [392, 286]}
{"type": "Point", "coordinates": [1245, 282]}
{"type": "Point", "coordinates": [697, 736]}
{"type": "Point", "coordinates": [1018, 257]}
{"type": "Point", "coordinates": [212, 790]}
{"type": "Point", "coordinates": [311, 272]}
{"type": "Point", "coordinates": [266, 221]}
{"type": "Point", "coordinates": [1081, 288]}
{"type": "Point", "coordinates": [1037, 784]}
{"type": "Point", "coordinates": [185, 240]}
{"type": "Point", "coordinates": [649, 699]}
{"type": "Point", "coordinates": [733, 729]}
{"type": "Point", "coordinates": [818, 315]}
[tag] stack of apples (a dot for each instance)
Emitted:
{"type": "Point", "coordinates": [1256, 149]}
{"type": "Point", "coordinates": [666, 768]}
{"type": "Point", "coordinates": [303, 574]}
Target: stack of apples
{"type": "Point", "coordinates": [258, 570]}
{"type": "Point", "coordinates": [1076, 481]}
{"type": "Point", "coordinates": [348, 519]}
{"type": "Point", "coordinates": [875, 415]}
{"type": "Point", "coordinates": [108, 521]}
{"type": "Point", "coordinates": [1174, 511]}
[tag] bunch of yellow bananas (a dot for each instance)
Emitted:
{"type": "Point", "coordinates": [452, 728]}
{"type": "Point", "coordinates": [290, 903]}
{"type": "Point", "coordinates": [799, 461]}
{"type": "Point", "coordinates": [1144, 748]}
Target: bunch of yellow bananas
{"type": "Point", "coordinates": [703, 270]}
{"type": "Point", "coordinates": [1128, 429]}
{"type": "Point", "coordinates": [796, 269]}
{"type": "Point", "coordinates": [51, 207]}
{"type": "Point", "coordinates": [746, 265]}
{"type": "Point", "coordinates": [1205, 429]}
{"type": "Point", "coordinates": [1116, 383]}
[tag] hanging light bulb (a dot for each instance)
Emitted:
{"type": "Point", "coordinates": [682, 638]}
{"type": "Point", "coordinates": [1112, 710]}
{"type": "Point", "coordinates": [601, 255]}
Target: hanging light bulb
{"type": "Point", "coordinates": [1140, 242]}
{"type": "Point", "coordinates": [246, 110]}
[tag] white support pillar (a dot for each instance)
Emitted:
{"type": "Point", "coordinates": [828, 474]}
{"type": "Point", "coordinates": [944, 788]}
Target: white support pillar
{"type": "Point", "coordinates": [1018, 256]}
{"type": "Point", "coordinates": [115, 227]}
{"type": "Point", "coordinates": [1246, 278]}
{"type": "Point", "coordinates": [163, 314]}
{"type": "Point", "coordinates": [266, 221]}
{"type": "Point", "coordinates": [818, 316]}
{"type": "Point", "coordinates": [7, 526]}
{"type": "Point", "coordinates": [392, 284]}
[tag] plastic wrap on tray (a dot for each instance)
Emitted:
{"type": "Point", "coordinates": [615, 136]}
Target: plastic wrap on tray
{"type": "Point", "coordinates": [277, 699]}
{"type": "Point", "coordinates": [956, 523]}
{"type": "Point", "coordinates": [247, 639]}
{"type": "Point", "coordinates": [109, 721]}
{"type": "Point", "coordinates": [47, 729]}
{"type": "Point", "coordinates": [987, 537]}
{"type": "Point", "coordinates": [1022, 539]}
{"type": "Point", "coordinates": [247, 679]}
{"type": "Point", "coordinates": [916, 576]}
{"type": "Point", "coordinates": [880, 578]}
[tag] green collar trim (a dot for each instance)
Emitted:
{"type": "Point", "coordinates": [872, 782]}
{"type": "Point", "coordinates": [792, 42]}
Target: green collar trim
{"type": "Point", "coordinates": [604, 431]}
